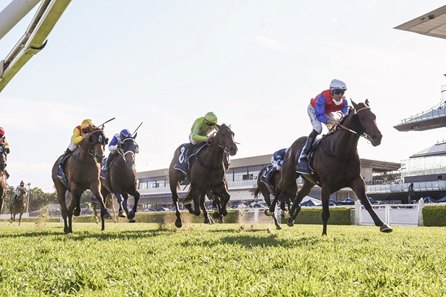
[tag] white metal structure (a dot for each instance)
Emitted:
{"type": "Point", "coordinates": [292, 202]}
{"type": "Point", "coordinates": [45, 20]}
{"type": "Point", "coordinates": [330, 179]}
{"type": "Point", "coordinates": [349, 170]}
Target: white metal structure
{"type": "Point", "coordinates": [391, 214]}
{"type": "Point", "coordinates": [35, 37]}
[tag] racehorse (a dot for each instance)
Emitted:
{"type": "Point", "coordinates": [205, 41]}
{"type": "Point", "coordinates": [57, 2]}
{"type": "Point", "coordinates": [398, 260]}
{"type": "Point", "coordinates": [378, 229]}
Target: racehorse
{"type": "Point", "coordinates": [82, 170]}
{"type": "Point", "coordinates": [18, 205]}
{"type": "Point", "coordinates": [3, 188]}
{"type": "Point", "coordinates": [121, 177]}
{"type": "Point", "coordinates": [207, 173]}
{"type": "Point", "coordinates": [266, 193]}
{"type": "Point", "coordinates": [335, 164]}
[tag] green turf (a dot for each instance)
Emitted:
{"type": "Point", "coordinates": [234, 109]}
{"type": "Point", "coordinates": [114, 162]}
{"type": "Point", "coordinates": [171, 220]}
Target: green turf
{"type": "Point", "coordinates": [220, 260]}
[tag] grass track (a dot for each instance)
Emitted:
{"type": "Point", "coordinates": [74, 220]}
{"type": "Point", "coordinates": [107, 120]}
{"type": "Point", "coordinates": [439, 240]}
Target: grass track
{"type": "Point", "coordinates": [220, 260]}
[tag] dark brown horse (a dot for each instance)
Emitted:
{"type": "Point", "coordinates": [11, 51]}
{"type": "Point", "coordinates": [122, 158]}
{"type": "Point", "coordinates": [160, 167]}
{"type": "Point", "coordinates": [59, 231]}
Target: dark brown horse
{"type": "Point", "coordinates": [17, 204]}
{"type": "Point", "coordinates": [207, 173]}
{"type": "Point", "coordinates": [266, 193]}
{"type": "Point", "coordinates": [335, 163]}
{"type": "Point", "coordinates": [82, 170]}
{"type": "Point", "coordinates": [121, 177]}
{"type": "Point", "coordinates": [3, 187]}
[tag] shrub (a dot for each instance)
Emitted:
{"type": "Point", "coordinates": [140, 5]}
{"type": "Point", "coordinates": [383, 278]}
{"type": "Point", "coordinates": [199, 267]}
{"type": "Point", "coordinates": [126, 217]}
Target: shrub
{"type": "Point", "coordinates": [434, 215]}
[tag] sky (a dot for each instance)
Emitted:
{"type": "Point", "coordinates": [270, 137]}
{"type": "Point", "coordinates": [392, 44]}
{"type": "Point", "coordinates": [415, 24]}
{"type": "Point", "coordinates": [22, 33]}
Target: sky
{"type": "Point", "coordinates": [256, 64]}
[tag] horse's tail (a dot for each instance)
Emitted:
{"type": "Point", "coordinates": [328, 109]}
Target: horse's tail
{"type": "Point", "coordinates": [255, 191]}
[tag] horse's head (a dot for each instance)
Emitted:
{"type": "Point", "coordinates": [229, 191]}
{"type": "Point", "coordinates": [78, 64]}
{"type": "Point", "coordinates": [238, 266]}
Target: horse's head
{"type": "Point", "coordinates": [367, 122]}
{"type": "Point", "coordinates": [3, 156]}
{"type": "Point", "coordinates": [96, 141]}
{"type": "Point", "coordinates": [225, 139]}
{"type": "Point", "coordinates": [128, 149]}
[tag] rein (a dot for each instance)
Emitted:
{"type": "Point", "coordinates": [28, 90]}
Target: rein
{"type": "Point", "coordinates": [353, 131]}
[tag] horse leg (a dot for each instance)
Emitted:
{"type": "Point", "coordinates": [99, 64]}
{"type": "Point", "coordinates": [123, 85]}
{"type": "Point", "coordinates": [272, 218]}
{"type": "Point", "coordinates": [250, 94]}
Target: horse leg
{"type": "Point", "coordinates": [104, 212]}
{"type": "Point", "coordinates": [358, 187]}
{"type": "Point", "coordinates": [123, 211]}
{"type": "Point", "coordinates": [132, 213]}
{"type": "Point", "coordinates": [173, 189]}
{"type": "Point", "coordinates": [223, 192]}
{"type": "Point", "coordinates": [20, 217]}
{"type": "Point", "coordinates": [63, 206]}
{"type": "Point", "coordinates": [295, 209]}
{"type": "Point", "coordinates": [207, 218]}
{"type": "Point", "coordinates": [325, 195]}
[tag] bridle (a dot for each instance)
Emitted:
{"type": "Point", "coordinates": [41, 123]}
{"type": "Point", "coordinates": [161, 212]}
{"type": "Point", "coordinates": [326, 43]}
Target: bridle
{"type": "Point", "coordinates": [366, 136]}
{"type": "Point", "coordinates": [221, 144]}
{"type": "Point", "coordinates": [100, 139]}
{"type": "Point", "coordinates": [121, 151]}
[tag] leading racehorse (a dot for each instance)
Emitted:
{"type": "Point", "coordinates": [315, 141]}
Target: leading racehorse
{"type": "Point", "coordinates": [335, 164]}
{"type": "Point", "coordinates": [207, 173]}
{"type": "Point", "coordinates": [82, 170]}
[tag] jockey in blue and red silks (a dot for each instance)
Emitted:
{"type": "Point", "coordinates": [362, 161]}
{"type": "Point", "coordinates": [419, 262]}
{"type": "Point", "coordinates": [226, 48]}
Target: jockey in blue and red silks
{"type": "Point", "coordinates": [320, 111]}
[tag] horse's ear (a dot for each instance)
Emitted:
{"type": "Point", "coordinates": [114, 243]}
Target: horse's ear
{"type": "Point", "coordinates": [367, 102]}
{"type": "Point", "coordinates": [354, 104]}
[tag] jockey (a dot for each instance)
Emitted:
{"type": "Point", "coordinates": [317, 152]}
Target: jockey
{"type": "Point", "coordinates": [78, 136]}
{"type": "Point", "coordinates": [19, 187]}
{"type": "Point", "coordinates": [201, 129]}
{"type": "Point", "coordinates": [277, 163]}
{"type": "Point", "coordinates": [5, 144]}
{"type": "Point", "coordinates": [114, 144]}
{"type": "Point", "coordinates": [320, 111]}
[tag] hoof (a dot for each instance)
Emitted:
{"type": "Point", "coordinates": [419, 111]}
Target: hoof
{"type": "Point", "coordinates": [178, 223]}
{"type": "Point", "coordinates": [278, 227]}
{"type": "Point", "coordinates": [132, 221]}
{"type": "Point", "coordinates": [121, 214]}
{"type": "Point", "coordinates": [386, 229]}
{"type": "Point", "coordinates": [208, 221]}
{"type": "Point", "coordinates": [131, 215]}
{"type": "Point", "coordinates": [290, 222]}
{"type": "Point", "coordinates": [66, 230]}
{"type": "Point", "coordinates": [76, 212]}
{"type": "Point", "coordinates": [196, 213]}
{"type": "Point", "coordinates": [189, 208]}
{"type": "Point", "coordinates": [268, 212]}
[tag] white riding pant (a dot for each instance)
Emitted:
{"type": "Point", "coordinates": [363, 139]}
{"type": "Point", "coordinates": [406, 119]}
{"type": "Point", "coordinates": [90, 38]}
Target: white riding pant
{"type": "Point", "coordinates": [317, 125]}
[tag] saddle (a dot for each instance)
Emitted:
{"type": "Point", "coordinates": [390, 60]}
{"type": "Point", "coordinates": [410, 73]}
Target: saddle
{"type": "Point", "coordinates": [183, 163]}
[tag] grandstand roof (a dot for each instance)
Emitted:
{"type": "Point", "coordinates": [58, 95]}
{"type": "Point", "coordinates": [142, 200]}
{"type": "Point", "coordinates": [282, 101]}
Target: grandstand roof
{"type": "Point", "coordinates": [432, 23]}
{"type": "Point", "coordinates": [435, 150]}
{"type": "Point", "coordinates": [430, 119]}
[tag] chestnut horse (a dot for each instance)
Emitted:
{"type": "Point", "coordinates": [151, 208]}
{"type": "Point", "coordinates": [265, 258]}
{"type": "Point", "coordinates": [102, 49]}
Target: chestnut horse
{"type": "Point", "coordinates": [207, 173]}
{"type": "Point", "coordinates": [82, 170]}
{"type": "Point", "coordinates": [335, 164]}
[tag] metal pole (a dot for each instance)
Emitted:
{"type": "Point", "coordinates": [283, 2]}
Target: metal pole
{"type": "Point", "coordinates": [13, 13]}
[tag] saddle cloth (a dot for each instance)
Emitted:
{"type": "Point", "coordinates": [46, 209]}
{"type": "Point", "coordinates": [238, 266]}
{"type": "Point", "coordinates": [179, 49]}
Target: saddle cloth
{"type": "Point", "coordinates": [183, 163]}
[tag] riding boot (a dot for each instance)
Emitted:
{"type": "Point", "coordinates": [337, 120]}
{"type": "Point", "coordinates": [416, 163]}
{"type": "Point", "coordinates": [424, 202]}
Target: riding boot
{"type": "Point", "coordinates": [65, 157]}
{"type": "Point", "coordinates": [7, 174]}
{"type": "Point", "coordinates": [302, 164]}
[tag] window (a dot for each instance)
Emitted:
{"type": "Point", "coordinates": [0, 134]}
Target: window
{"type": "Point", "coordinates": [248, 176]}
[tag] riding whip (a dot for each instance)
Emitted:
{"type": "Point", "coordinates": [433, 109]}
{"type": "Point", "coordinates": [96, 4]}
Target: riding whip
{"type": "Point", "coordinates": [137, 129]}
{"type": "Point", "coordinates": [106, 122]}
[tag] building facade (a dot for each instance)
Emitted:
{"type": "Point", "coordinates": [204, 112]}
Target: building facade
{"type": "Point", "coordinates": [242, 178]}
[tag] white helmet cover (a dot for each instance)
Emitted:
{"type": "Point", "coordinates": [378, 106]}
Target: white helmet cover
{"type": "Point", "coordinates": [337, 84]}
